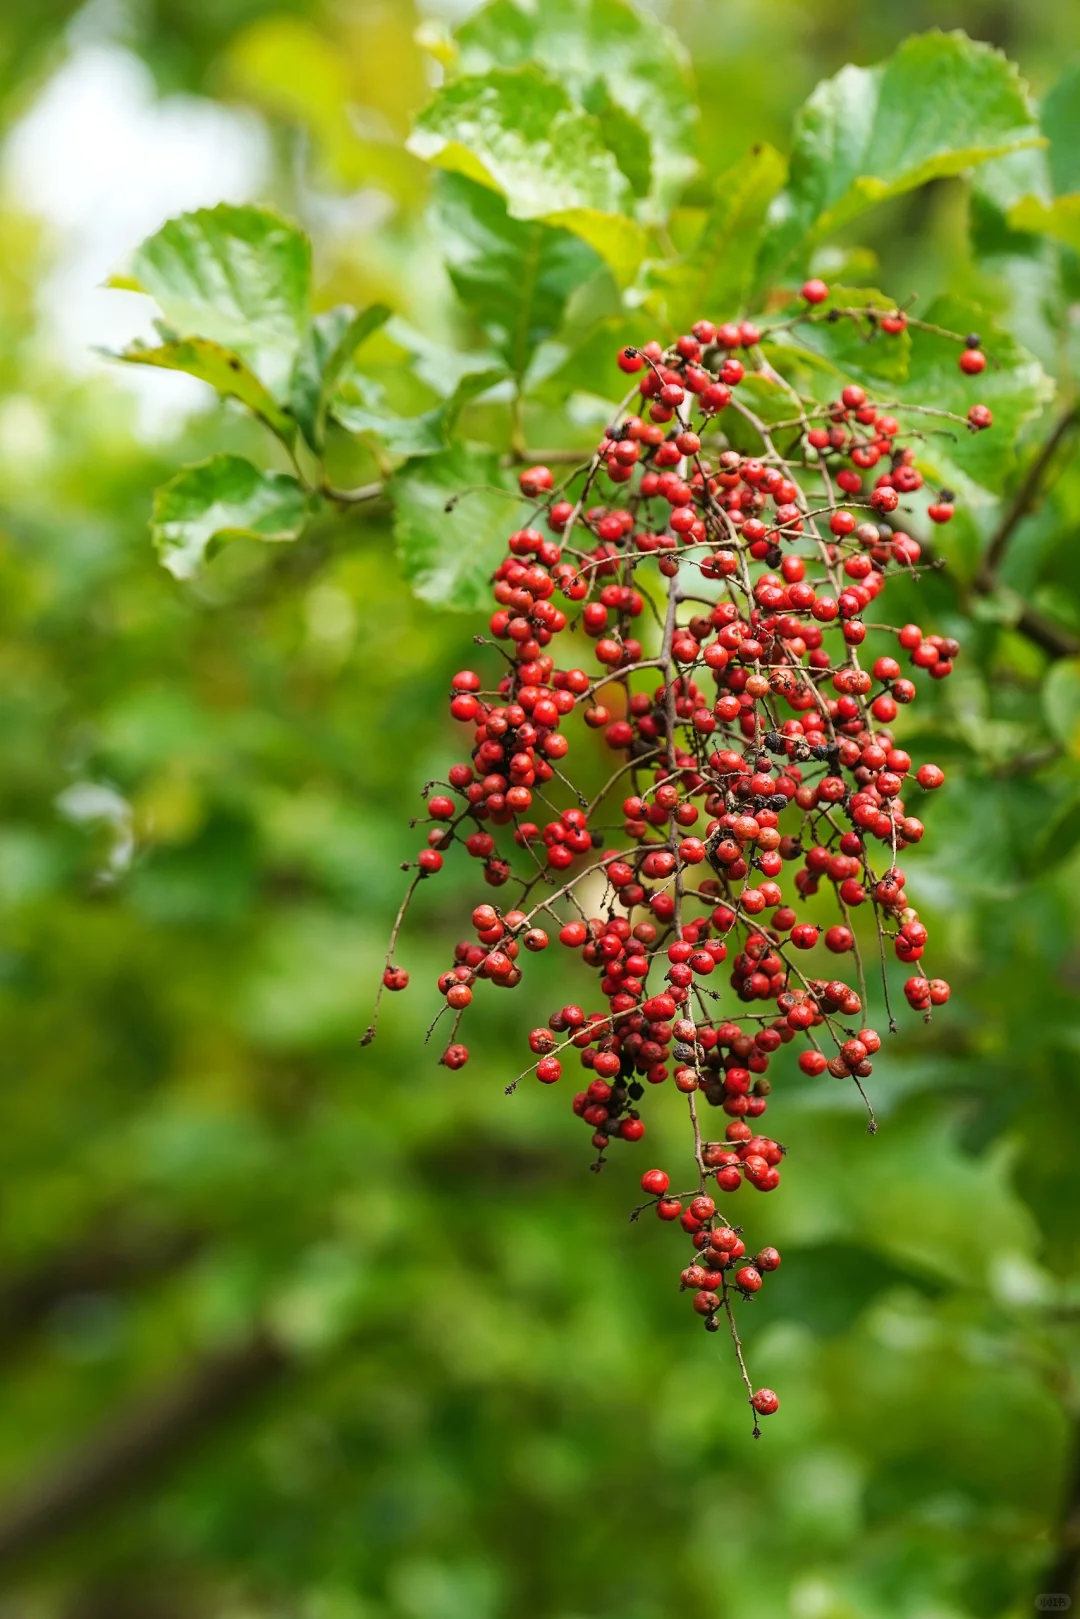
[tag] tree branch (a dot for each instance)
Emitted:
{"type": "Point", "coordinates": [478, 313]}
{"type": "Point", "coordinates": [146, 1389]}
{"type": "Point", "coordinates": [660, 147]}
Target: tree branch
{"type": "Point", "coordinates": [138, 1444]}
{"type": "Point", "coordinates": [1025, 497]}
{"type": "Point", "coordinates": [1063, 1578]}
{"type": "Point", "coordinates": [1054, 641]}
{"type": "Point", "coordinates": [113, 1258]}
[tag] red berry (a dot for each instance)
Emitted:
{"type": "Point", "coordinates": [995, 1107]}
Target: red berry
{"type": "Point", "coordinates": [815, 291]}
{"type": "Point", "coordinates": [535, 480]}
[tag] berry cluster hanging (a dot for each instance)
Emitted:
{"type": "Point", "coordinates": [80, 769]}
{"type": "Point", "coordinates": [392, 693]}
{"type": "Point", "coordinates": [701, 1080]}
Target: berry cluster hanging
{"type": "Point", "coordinates": [750, 743]}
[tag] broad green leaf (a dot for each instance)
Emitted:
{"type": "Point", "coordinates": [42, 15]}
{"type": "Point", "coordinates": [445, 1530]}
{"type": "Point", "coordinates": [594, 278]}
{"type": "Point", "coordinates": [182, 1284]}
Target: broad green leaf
{"type": "Point", "coordinates": [1059, 116]}
{"type": "Point", "coordinates": [853, 349]}
{"type": "Point", "coordinates": [768, 401]}
{"type": "Point", "coordinates": [293, 70]}
{"type": "Point", "coordinates": [223, 369]}
{"type": "Point", "coordinates": [449, 556]}
{"type": "Point", "coordinates": [519, 133]}
{"type": "Point", "coordinates": [1059, 219]}
{"type": "Point", "coordinates": [329, 344]}
{"type": "Point", "coordinates": [436, 364]}
{"type": "Point", "coordinates": [591, 367]}
{"type": "Point", "coordinates": [361, 408]}
{"type": "Point", "coordinates": [1025, 267]}
{"type": "Point", "coordinates": [1014, 385]}
{"type": "Point", "coordinates": [237, 275]}
{"type": "Point", "coordinates": [624, 136]}
{"type": "Point", "coordinates": [939, 105]}
{"type": "Point", "coordinates": [514, 276]}
{"type": "Point", "coordinates": [1062, 831]}
{"type": "Point", "coordinates": [221, 499]}
{"type": "Point", "coordinates": [1061, 703]}
{"type": "Point", "coordinates": [712, 280]}
{"type": "Point", "coordinates": [602, 51]}
{"type": "Point", "coordinates": [617, 239]}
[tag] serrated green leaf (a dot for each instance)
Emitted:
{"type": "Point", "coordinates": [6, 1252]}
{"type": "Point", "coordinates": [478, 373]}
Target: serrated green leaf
{"type": "Point", "coordinates": [640, 66]}
{"type": "Point", "coordinates": [239, 276]}
{"type": "Point", "coordinates": [1014, 385]}
{"type": "Point", "coordinates": [519, 133]}
{"type": "Point", "coordinates": [713, 278]}
{"type": "Point", "coordinates": [1061, 703]}
{"type": "Point", "coordinates": [449, 556]}
{"type": "Point", "coordinates": [939, 105]}
{"type": "Point", "coordinates": [223, 369]}
{"type": "Point", "coordinates": [855, 350]}
{"type": "Point", "coordinates": [329, 344]}
{"type": "Point", "coordinates": [514, 276]}
{"type": "Point", "coordinates": [220, 499]}
{"type": "Point", "coordinates": [1059, 117]}
{"type": "Point", "coordinates": [361, 408]}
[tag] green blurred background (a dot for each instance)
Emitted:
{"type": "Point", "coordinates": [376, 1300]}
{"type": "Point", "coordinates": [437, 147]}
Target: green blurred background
{"type": "Point", "coordinates": [295, 1331]}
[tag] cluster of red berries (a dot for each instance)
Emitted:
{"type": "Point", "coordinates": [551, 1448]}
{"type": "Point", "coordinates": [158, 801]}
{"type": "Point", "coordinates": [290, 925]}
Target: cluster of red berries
{"type": "Point", "coordinates": [748, 741]}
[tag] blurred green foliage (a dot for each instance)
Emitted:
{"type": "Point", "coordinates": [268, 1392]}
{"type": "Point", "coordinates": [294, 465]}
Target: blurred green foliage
{"type": "Point", "coordinates": [295, 1331]}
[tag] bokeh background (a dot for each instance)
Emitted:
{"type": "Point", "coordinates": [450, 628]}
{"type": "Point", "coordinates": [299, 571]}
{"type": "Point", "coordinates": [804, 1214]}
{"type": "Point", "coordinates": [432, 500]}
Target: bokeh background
{"type": "Point", "coordinates": [291, 1330]}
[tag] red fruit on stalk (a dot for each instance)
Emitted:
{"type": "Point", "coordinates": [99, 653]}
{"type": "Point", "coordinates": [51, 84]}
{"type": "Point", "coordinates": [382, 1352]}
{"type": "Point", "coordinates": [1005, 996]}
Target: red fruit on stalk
{"type": "Point", "coordinates": [754, 801]}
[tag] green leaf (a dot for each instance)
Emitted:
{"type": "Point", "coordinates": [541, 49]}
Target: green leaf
{"type": "Point", "coordinates": [519, 133]}
{"type": "Point", "coordinates": [223, 369]}
{"type": "Point", "coordinates": [513, 276]}
{"type": "Point", "coordinates": [590, 367]}
{"type": "Point", "coordinates": [449, 556]}
{"type": "Point", "coordinates": [436, 364]}
{"type": "Point", "coordinates": [713, 278]}
{"type": "Point", "coordinates": [846, 349]}
{"type": "Point", "coordinates": [221, 499]}
{"type": "Point", "coordinates": [625, 137]}
{"type": "Point", "coordinates": [237, 275]}
{"type": "Point", "coordinates": [1025, 267]}
{"type": "Point", "coordinates": [939, 105]}
{"type": "Point", "coordinates": [1059, 219]}
{"type": "Point", "coordinates": [329, 344]}
{"type": "Point", "coordinates": [605, 53]}
{"type": "Point", "coordinates": [770, 402]}
{"type": "Point", "coordinates": [1061, 703]}
{"type": "Point", "coordinates": [1014, 385]}
{"type": "Point", "coordinates": [1060, 836]}
{"type": "Point", "coordinates": [361, 408]}
{"type": "Point", "coordinates": [1059, 116]}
